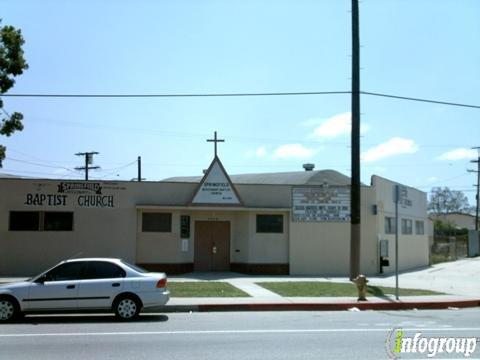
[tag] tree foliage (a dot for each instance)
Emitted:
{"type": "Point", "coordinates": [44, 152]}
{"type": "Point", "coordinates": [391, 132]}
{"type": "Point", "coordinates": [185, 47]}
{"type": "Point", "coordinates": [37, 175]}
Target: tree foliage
{"type": "Point", "coordinates": [445, 201]}
{"type": "Point", "coordinates": [447, 227]}
{"type": "Point", "coordinates": [12, 64]}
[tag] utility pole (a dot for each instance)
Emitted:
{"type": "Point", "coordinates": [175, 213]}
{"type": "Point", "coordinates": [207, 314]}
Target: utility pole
{"type": "Point", "coordinates": [355, 140]}
{"type": "Point", "coordinates": [478, 183]}
{"type": "Point", "coordinates": [139, 165]}
{"type": "Point", "coordinates": [88, 161]}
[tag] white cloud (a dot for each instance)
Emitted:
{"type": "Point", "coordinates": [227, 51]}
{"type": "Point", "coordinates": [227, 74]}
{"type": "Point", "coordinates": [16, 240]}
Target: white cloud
{"type": "Point", "coordinates": [337, 125]}
{"type": "Point", "coordinates": [260, 152]}
{"type": "Point", "coordinates": [459, 154]}
{"type": "Point", "coordinates": [394, 146]}
{"type": "Point", "coordinates": [432, 179]}
{"type": "Point", "coordinates": [293, 151]}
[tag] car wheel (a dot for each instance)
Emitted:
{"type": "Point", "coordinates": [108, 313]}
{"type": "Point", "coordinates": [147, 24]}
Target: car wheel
{"type": "Point", "coordinates": [127, 308]}
{"type": "Point", "coordinates": [8, 309]}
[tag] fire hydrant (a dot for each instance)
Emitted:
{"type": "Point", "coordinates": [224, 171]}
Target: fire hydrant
{"type": "Point", "coordinates": [361, 282]}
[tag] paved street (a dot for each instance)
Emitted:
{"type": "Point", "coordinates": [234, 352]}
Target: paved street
{"type": "Point", "coordinates": [233, 335]}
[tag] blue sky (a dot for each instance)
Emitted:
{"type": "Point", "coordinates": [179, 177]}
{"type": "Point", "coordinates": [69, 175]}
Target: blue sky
{"type": "Point", "coordinates": [426, 49]}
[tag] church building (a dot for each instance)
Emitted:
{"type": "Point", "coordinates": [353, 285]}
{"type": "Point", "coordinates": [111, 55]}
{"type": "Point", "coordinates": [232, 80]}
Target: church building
{"type": "Point", "coordinates": [294, 223]}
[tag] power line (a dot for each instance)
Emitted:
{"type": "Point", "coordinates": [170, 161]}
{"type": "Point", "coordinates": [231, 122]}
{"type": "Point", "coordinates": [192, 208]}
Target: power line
{"type": "Point", "coordinates": [300, 93]}
{"type": "Point", "coordinates": [38, 164]}
{"type": "Point", "coordinates": [234, 138]}
{"type": "Point", "coordinates": [421, 100]}
{"type": "Point", "coordinates": [113, 171]}
{"type": "Point", "coordinates": [248, 94]}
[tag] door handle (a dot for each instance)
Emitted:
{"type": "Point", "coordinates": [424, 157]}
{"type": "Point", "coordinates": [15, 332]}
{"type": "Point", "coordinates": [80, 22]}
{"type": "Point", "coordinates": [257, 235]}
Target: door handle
{"type": "Point", "coordinates": [116, 284]}
{"type": "Point", "coordinates": [70, 286]}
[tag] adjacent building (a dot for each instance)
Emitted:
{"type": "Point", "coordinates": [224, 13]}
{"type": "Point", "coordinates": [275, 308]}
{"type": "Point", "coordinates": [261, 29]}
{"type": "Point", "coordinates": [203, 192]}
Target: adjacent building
{"type": "Point", "coordinates": [456, 219]}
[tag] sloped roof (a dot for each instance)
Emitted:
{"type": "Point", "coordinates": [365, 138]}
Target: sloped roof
{"type": "Point", "coordinates": [5, 175]}
{"type": "Point", "coordinates": [318, 177]}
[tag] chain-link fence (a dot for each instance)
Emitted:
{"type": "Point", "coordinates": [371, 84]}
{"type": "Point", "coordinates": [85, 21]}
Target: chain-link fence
{"type": "Point", "coordinates": [448, 248]}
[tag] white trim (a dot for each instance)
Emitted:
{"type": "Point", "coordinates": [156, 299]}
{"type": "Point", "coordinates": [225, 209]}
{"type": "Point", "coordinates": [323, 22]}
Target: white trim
{"type": "Point", "coordinates": [209, 208]}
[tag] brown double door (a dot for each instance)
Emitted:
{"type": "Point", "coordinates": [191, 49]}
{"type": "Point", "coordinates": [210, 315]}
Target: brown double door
{"type": "Point", "coordinates": [212, 246]}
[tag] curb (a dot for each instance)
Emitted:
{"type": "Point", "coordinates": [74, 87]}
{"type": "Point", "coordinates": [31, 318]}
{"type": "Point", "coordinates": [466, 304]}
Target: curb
{"type": "Point", "coordinates": [432, 305]}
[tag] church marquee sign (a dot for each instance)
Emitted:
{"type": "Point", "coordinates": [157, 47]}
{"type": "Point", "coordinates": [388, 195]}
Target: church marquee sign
{"type": "Point", "coordinates": [321, 203]}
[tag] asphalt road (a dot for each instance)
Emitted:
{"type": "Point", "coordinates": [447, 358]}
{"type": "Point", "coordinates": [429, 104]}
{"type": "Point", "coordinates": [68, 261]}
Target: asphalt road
{"type": "Point", "coordinates": [233, 335]}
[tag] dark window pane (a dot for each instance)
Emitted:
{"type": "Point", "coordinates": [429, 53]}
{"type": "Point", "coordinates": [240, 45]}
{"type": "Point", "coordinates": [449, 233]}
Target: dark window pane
{"type": "Point", "coordinates": [58, 221]}
{"type": "Point", "coordinates": [419, 228]}
{"type": "Point", "coordinates": [103, 270]}
{"type": "Point", "coordinates": [67, 271]}
{"type": "Point", "coordinates": [390, 225]}
{"type": "Point", "coordinates": [184, 227]}
{"type": "Point", "coordinates": [406, 226]}
{"type": "Point", "coordinates": [156, 222]}
{"type": "Point", "coordinates": [24, 220]}
{"type": "Point", "coordinates": [269, 223]}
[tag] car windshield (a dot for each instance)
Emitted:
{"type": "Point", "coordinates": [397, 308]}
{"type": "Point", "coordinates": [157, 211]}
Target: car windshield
{"type": "Point", "coordinates": [134, 267]}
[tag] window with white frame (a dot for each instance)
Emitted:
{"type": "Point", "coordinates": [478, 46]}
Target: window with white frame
{"type": "Point", "coordinates": [419, 227]}
{"type": "Point", "coordinates": [407, 227]}
{"type": "Point", "coordinates": [390, 225]}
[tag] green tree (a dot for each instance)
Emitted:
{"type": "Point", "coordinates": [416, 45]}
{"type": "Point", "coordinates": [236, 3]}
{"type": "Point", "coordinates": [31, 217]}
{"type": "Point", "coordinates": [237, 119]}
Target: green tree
{"type": "Point", "coordinates": [445, 201]}
{"type": "Point", "coordinates": [12, 64]}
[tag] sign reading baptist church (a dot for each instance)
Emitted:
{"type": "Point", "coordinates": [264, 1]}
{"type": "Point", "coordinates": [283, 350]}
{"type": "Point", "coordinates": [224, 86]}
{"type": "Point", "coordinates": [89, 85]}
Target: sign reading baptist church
{"type": "Point", "coordinates": [85, 197]}
{"type": "Point", "coordinates": [323, 203]}
{"type": "Point", "coordinates": [216, 187]}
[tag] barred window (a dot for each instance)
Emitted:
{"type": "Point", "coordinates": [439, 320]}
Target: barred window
{"type": "Point", "coordinates": [41, 221]}
{"type": "Point", "coordinates": [269, 223]}
{"type": "Point", "coordinates": [24, 221]}
{"type": "Point", "coordinates": [58, 221]}
{"type": "Point", "coordinates": [156, 222]}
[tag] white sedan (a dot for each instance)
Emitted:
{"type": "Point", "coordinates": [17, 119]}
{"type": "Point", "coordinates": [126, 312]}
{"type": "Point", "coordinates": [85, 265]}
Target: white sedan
{"type": "Point", "coordinates": [86, 284]}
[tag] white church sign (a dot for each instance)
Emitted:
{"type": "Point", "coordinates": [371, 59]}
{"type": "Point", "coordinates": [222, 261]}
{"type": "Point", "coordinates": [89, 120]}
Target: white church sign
{"type": "Point", "coordinates": [322, 203]}
{"type": "Point", "coordinates": [216, 187]}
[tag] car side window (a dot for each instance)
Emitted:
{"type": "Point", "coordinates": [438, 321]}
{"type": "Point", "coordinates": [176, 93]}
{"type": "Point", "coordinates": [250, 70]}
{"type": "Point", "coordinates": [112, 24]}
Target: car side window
{"type": "Point", "coordinates": [66, 272]}
{"type": "Point", "coordinates": [103, 270]}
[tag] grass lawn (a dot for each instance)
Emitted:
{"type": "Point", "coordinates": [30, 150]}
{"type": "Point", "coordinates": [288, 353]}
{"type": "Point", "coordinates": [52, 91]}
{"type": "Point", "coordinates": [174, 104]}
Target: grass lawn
{"type": "Point", "coordinates": [312, 288]}
{"type": "Point", "coordinates": [204, 289]}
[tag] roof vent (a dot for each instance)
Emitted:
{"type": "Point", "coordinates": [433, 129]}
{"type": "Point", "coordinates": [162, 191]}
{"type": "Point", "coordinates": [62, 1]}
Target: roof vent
{"type": "Point", "coordinates": [309, 167]}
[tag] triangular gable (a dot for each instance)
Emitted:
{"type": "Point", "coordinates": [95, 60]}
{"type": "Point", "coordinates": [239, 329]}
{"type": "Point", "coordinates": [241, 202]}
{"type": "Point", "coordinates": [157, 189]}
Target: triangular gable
{"type": "Point", "coordinates": [216, 188]}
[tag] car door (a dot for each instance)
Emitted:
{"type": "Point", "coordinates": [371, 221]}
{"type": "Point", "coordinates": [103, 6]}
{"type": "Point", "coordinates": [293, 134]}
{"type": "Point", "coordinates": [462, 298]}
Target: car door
{"type": "Point", "coordinates": [57, 289]}
{"type": "Point", "coordinates": [103, 280]}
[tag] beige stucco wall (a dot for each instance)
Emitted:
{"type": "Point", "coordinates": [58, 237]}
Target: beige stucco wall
{"type": "Point", "coordinates": [319, 248]}
{"type": "Point", "coordinates": [466, 221]}
{"type": "Point", "coordinates": [323, 248]}
{"type": "Point", "coordinates": [161, 247]}
{"type": "Point", "coordinates": [104, 232]}
{"type": "Point", "coordinates": [413, 249]}
{"type": "Point", "coordinates": [268, 248]}
{"type": "Point", "coordinates": [246, 246]}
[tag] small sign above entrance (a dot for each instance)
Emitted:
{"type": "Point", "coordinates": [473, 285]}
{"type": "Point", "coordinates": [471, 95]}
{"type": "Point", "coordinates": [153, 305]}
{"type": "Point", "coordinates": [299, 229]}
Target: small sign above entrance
{"type": "Point", "coordinates": [216, 187]}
